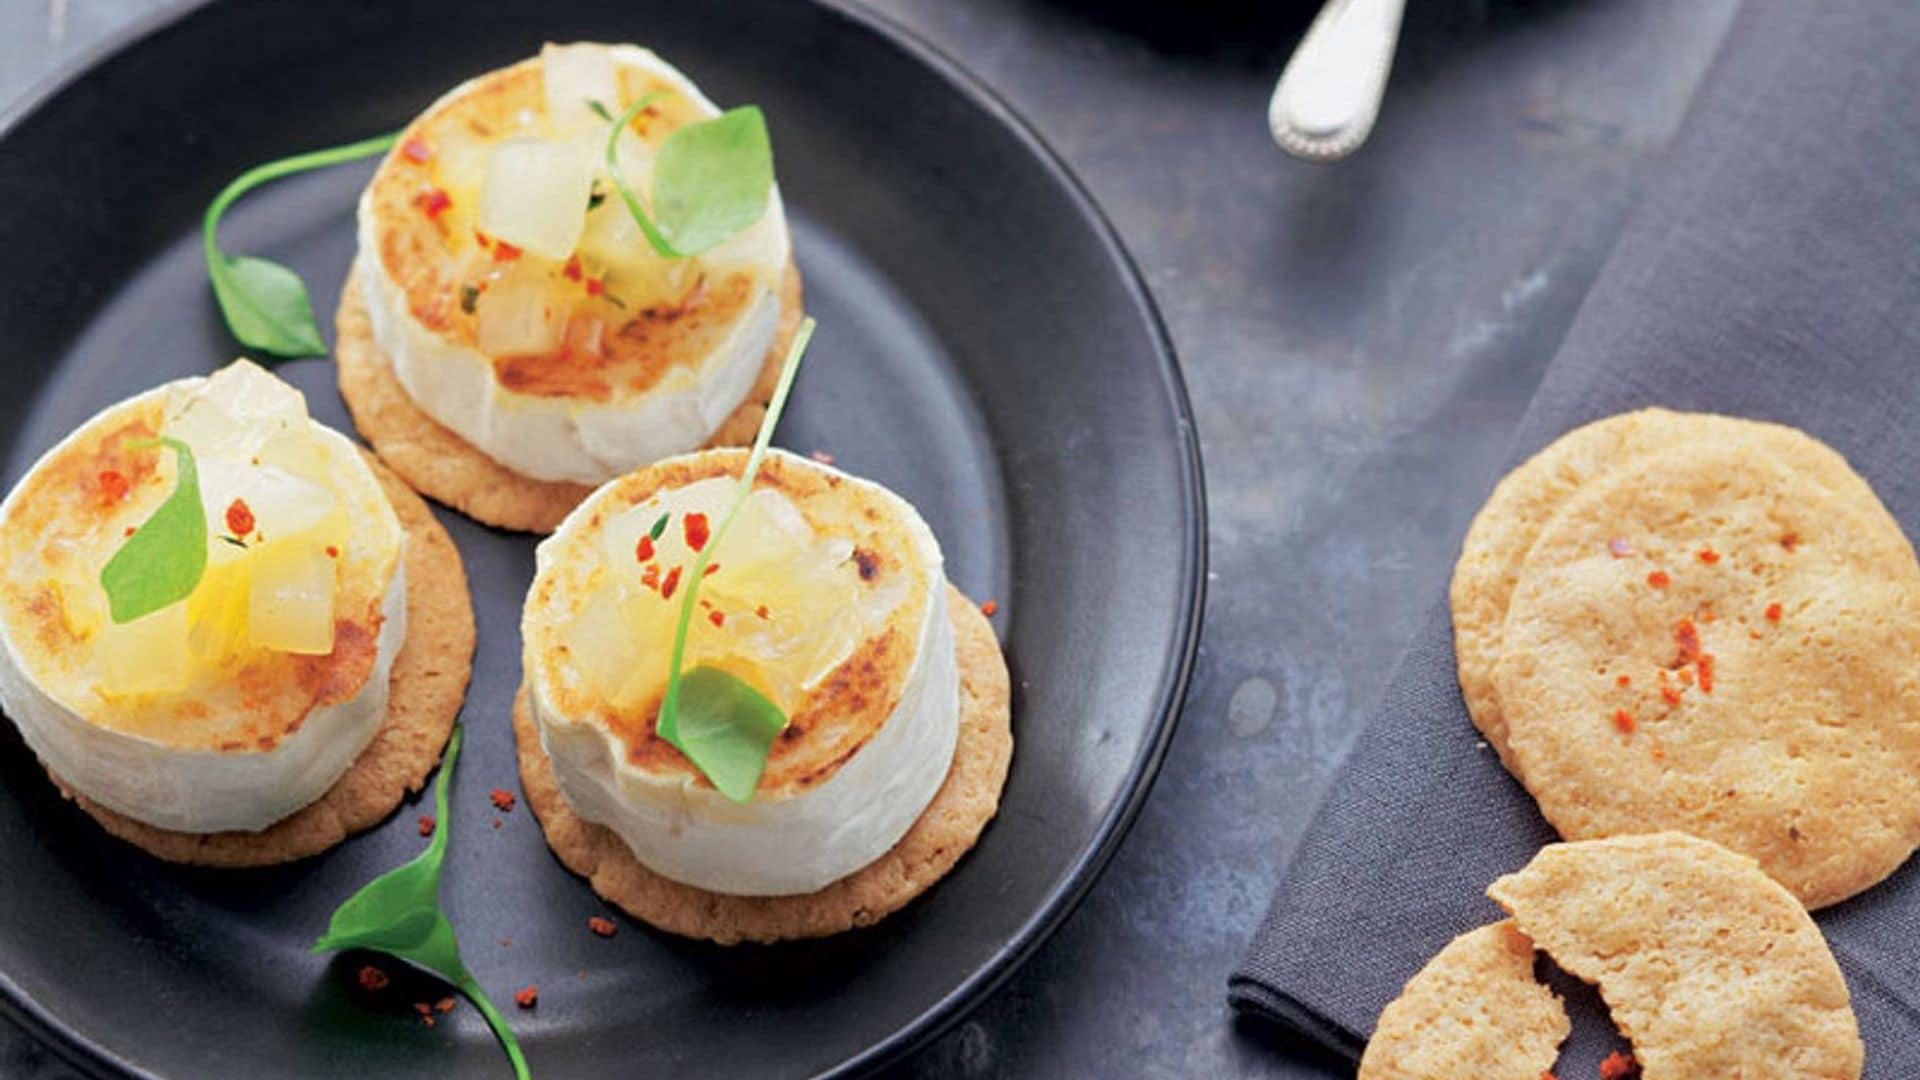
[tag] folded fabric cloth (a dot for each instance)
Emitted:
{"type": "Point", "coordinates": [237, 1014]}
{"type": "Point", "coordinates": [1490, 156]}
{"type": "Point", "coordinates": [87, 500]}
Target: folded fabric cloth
{"type": "Point", "coordinates": [1772, 271]}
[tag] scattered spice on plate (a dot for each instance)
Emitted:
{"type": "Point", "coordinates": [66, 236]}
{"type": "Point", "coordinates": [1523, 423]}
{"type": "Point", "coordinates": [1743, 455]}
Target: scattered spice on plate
{"type": "Point", "coordinates": [601, 925]}
{"type": "Point", "coordinates": [502, 800]}
{"type": "Point", "coordinates": [989, 607]}
{"type": "Point", "coordinates": [1619, 1066]}
{"type": "Point", "coordinates": [444, 1005]}
{"type": "Point", "coordinates": [426, 824]}
{"type": "Point", "coordinates": [527, 996]}
{"type": "Point", "coordinates": [373, 979]}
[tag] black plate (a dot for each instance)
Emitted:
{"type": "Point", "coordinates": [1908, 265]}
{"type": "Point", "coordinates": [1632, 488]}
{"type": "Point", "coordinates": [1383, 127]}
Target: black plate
{"type": "Point", "coordinates": [985, 348]}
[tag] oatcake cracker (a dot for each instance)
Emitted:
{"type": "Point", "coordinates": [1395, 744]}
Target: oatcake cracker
{"type": "Point", "coordinates": [966, 801]}
{"type": "Point", "coordinates": [1474, 1011]}
{"type": "Point", "coordinates": [1743, 672]}
{"type": "Point", "coordinates": [428, 683]}
{"type": "Point", "coordinates": [1527, 498]}
{"type": "Point", "coordinates": [1708, 965]}
{"type": "Point", "coordinates": [448, 469]}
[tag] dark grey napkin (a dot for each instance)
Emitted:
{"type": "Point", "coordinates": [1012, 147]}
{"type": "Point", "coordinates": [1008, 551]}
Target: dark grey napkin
{"type": "Point", "coordinates": [1772, 271]}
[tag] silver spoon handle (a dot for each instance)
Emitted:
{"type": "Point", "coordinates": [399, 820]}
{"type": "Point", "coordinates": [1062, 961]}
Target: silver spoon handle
{"type": "Point", "coordinates": [1329, 96]}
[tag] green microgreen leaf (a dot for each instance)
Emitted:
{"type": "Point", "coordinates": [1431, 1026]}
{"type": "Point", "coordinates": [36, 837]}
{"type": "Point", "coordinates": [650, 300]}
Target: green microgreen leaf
{"type": "Point", "coordinates": [599, 110]}
{"type": "Point", "coordinates": [710, 180]}
{"type": "Point", "coordinates": [164, 559]}
{"type": "Point", "coordinates": [266, 304]}
{"type": "Point", "coordinates": [723, 733]}
{"type": "Point", "coordinates": [659, 526]}
{"type": "Point", "coordinates": [398, 913]}
{"type": "Point", "coordinates": [726, 727]}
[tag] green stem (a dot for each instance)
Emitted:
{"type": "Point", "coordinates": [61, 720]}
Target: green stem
{"type": "Point", "coordinates": [273, 170]}
{"type": "Point", "coordinates": [498, 1023]}
{"type": "Point", "coordinates": [661, 245]}
{"type": "Point", "coordinates": [667, 725]}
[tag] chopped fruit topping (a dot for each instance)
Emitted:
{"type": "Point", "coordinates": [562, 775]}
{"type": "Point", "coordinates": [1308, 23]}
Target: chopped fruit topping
{"type": "Point", "coordinates": [643, 551]}
{"type": "Point", "coordinates": [601, 925]}
{"type": "Point", "coordinates": [1659, 579]}
{"type": "Point", "coordinates": [372, 979]}
{"type": "Point", "coordinates": [596, 286]}
{"type": "Point", "coordinates": [1623, 720]}
{"type": "Point", "coordinates": [717, 618]}
{"type": "Point", "coordinates": [527, 996]}
{"type": "Point", "coordinates": [502, 800]}
{"type": "Point", "coordinates": [667, 586]}
{"type": "Point", "coordinates": [426, 824]}
{"type": "Point", "coordinates": [572, 268]}
{"type": "Point", "coordinates": [505, 252]}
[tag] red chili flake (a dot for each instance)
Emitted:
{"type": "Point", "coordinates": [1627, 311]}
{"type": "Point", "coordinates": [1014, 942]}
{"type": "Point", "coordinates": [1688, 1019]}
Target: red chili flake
{"type": "Point", "coordinates": [372, 979]}
{"type": "Point", "coordinates": [332, 552]}
{"type": "Point", "coordinates": [481, 238]}
{"type": "Point", "coordinates": [667, 586]}
{"type": "Point", "coordinates": [1624, 680]}
{"type": "Point", "coordinates": [113, 487]}
{"type": "Point", "coordinates": [497, 823]}
{"type": "Point", "coordinates": [1706, 673]}
{"type": "Point", "coordinates": [505, 252]}
{"type": "Point", "coordinates": [1623, 720]}
{"type": "Point", "coordinates": [1773, 612]}
{"type": "Point", "coordinates": [717, 618]}
{"type": "Point", "coordinates": [596, 286]}
{"type": "Point", "coordinates": [417, 151]}
{"type": "Point", "coordinates": [643, 551]}
{"type": "Point", "coordinates": [1670, 695]}
{"type": "Point", "coordinates": [433, 202]}
{"type": "Point", "coordinates": [426, 824]}
{"type": "Point", "coordinates": [695, 527]}
{"type": "Point", "coordinates": [601, 925]}
{"type": "Point", "coordinates": [423, 1009]}
{"type": "Point", "coordinates": [989, 607]}
{"type": "Point", "coordinates": [1688, 638]}
{"type": "Point", "coordinates": [444, 1005]}
{"type": "Point", "coordinates": [527, 996]}
{"type": "Point", "coordinates": [761, 611]}
{"type": "Point", "coordinates": [1619, 1066]}
{"type": "Point", "coordinates": [1708, 556]}
{"type": "Point", "coordinates": [572, 269]}
{"type": "Point", "coordinates": [712, 569]}
{"type": "Point", "coordinates": [1790, 541]}
{"type": "Point", "coordinates": [1659, 579]}
{"type": "Point", "coordinates": [502, 800]}
{"type": "Point", "coordinates": [130, 531]}
{"type": "Point", "coordinates": [822, 457]}
{"type": "Point", "coordinates": [239, 518]}
{"type": "Point", "coordinates": [1619, 548]}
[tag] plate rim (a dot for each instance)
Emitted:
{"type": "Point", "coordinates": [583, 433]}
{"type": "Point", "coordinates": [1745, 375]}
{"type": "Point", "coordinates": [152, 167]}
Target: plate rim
{"type": "Point", "coordinates": [1067, 895]}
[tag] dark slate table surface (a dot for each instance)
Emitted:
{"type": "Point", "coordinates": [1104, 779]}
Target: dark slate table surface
{"type": "Point", "coordinates": [1358, 341]}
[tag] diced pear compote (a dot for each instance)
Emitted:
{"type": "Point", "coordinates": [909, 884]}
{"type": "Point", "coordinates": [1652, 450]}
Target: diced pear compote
{"type": "Point", "coordinates": [275, 531]}
{"type": "Point", "coordinates": [778, 608]}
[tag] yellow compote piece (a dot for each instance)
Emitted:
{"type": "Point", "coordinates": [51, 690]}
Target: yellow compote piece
{"type": "Point", "coordinates": [779, 607]}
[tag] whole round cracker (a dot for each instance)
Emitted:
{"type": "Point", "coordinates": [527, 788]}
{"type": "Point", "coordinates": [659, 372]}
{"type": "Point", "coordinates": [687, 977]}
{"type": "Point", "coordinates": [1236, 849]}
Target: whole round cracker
{"type": "Point", "coordinates": [946, 830]}
{"type": "Point", "coordinates": [1475, 1010]}
{"type": "Point", "coordinates": [452, 471]}
{"type": "Point", "coordinates": [1802, 749]}
{"type": "Point", "coordinates": [426, 687]}
{"type": "Point", "coordinates": [1707, 964]}
{"type": "Point", "coordinates": [1528, 497]}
